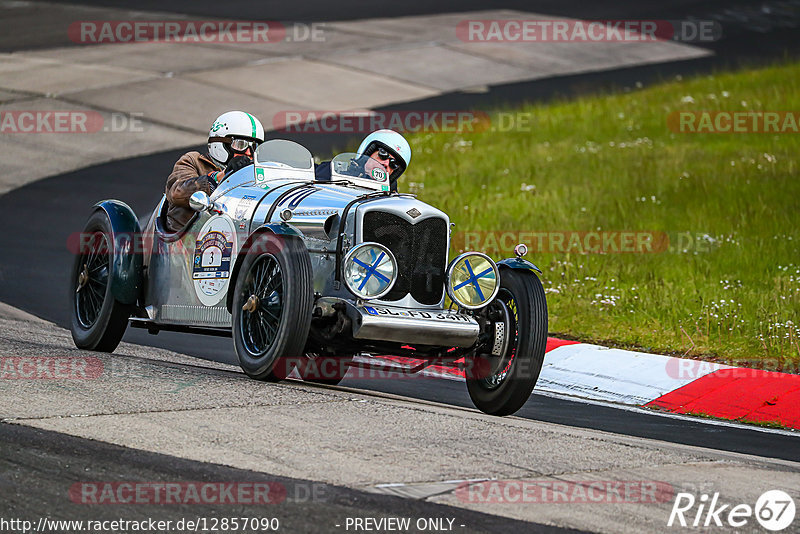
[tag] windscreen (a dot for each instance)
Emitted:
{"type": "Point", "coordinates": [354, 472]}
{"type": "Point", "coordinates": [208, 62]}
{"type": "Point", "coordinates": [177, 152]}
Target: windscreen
{"type": "Point", "coordinates": [282, 153]}
{"type": "Point", "coordinates": [351, 165]}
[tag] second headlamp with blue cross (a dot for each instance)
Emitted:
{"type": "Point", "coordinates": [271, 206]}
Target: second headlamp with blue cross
{"type": "Point", "coordinates": [472, 280]}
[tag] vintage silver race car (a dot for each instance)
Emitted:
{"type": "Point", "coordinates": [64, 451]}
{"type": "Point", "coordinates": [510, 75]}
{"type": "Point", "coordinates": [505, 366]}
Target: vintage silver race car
{"type": "Point", "coordinates": [308, 274]}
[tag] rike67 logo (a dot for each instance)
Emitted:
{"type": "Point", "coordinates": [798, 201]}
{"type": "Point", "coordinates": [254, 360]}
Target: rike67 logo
{"type": "Point", "coordinates": [774, 510]}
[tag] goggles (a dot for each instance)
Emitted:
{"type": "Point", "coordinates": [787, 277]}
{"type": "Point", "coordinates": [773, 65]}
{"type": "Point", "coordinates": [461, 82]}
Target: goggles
{"type": "Point", "coordinates": [385, 155]}
{"type": "Point", "coordinates": [237, 144]}
{"type": "Point", "coordinates": [241, 145]}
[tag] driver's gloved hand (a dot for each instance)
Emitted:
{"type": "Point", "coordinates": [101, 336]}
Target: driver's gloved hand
{"type": "Point", "coordinates": [207, 183]}
{"type": "Point", "coordinates": [239, 162]}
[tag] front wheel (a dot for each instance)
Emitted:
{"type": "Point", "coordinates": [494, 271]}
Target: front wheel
{"type": "Point", "coordinates": [98, 321]}
{"type": "Point", "coordinates": [272, 304]}
{"type": "Point", "coordinates": [501, 384]}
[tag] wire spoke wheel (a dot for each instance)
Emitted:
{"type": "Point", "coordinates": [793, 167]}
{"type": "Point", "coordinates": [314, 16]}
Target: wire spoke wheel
{"type": "Point", "coordinates": [98, 320]}
{"type": "Point", "coordinates": [92, 280]}
{"type": "Point", "coordinates": [272, 303]}
{"type": "Point", "coordinates": [262, 293]}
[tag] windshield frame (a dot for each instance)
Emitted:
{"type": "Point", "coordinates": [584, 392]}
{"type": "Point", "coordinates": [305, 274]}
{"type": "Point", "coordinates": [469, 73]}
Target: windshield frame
{"type": "Point", "coordinates": [362, 179]}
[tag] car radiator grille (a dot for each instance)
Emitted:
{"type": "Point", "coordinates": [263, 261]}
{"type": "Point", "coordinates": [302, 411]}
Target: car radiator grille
{"type": "Point", "coordinates": [420, 250]}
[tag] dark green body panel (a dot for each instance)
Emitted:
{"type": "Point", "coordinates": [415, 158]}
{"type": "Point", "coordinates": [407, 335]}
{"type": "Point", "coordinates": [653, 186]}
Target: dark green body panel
{"type": "Point", "coordinates": [519, 263]}
{"type": "Point", "coordinates": [126, 267]}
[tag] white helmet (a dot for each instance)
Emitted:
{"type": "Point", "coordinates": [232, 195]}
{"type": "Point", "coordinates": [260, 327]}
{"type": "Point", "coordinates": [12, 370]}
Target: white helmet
{"type": "Point", "coordinates": [394, 143]}
{"type": "Point", "coordinates": [229, 126]}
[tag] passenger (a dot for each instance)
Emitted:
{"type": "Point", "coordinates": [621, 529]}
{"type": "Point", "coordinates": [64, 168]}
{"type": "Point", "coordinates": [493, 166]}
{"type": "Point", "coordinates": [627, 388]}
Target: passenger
{"type": "Point", "coordinates": [388, 148]}
{"type": "Point", "coordinates": [232, 140]}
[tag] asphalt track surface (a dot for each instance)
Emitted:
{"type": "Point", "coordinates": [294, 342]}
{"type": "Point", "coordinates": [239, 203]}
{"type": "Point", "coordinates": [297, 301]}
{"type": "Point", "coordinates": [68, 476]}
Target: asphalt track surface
{"type": "Point", "coordinates": [752, 31]}
{"type": "Point", "coordinates": [37, 220]}
{"type": "Point", "coordinates": [299, 506]}
{"type": "Point", "coordinates": [357, 9]}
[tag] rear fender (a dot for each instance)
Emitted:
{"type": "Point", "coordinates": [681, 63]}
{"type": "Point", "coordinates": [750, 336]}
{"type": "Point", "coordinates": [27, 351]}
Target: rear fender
{"type": "Point", "coordinates": [126, 266]}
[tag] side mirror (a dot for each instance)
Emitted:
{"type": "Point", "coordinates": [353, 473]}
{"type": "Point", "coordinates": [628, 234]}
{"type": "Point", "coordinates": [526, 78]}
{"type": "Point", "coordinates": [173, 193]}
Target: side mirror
{"type": "Point", "coordinates": [199, 201]}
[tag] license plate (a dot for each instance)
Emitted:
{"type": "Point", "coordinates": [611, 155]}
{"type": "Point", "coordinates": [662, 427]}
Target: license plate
{"type": "Point", "coordinates": [418, 314]}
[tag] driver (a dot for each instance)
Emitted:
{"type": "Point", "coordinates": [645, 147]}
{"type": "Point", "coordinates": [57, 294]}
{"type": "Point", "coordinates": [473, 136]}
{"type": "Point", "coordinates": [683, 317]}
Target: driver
{"type": "Point", "coordinates": [232, 140]}
{"type": "Point", "coordinates": [386, 149]}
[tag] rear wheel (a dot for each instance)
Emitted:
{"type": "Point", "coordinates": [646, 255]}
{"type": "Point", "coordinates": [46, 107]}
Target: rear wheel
{"type": "Point", "coordinates": [500, 385]}
{"type": "Point", "coordinates": [98, 320]}
{"type": "Point", "coordinates": [272, 306]}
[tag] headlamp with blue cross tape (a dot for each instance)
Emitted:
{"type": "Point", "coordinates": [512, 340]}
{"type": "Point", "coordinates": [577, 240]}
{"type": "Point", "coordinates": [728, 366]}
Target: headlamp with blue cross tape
{"type": "Point", "coordinates": [472, 280]}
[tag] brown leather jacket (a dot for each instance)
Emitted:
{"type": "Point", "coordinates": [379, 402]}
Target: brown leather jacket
{"type": "Point", "coordinates": [188, 176]}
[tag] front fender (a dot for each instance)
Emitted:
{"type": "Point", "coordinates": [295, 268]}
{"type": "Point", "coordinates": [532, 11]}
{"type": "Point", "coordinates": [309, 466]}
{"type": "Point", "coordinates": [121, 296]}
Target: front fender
{"type": "Point", "coordinates": [126, 266]}
{"type": "Point", "coordinates": [519, 263]}
{"type": "Point", "coordinates": [275, 228]}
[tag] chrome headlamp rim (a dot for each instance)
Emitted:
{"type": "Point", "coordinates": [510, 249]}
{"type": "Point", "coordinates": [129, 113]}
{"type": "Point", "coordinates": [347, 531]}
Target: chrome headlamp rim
{"type": "Point", "coordinates": [449, 286]}
{"type": "Point", "coordinates": [354, 251]}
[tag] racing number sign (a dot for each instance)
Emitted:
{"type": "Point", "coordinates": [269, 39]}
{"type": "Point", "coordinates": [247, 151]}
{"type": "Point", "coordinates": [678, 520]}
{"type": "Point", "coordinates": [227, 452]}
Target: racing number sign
{"type": "Point", "coordinates": [213, 259]}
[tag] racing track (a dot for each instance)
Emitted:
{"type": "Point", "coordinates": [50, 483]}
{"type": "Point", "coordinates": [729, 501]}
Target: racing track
{"type": "Point", "coordinates": [35, 279]}
{"type": "Point", "coordinates": [37, 220]}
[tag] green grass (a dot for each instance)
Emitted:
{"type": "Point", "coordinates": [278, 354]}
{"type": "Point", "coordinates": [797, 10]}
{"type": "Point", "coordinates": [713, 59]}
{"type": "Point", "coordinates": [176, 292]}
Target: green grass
{"type": "Point", "coordinates": [611, 163]}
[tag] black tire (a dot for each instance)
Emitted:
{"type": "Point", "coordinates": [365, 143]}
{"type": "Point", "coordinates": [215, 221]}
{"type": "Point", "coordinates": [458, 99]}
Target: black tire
{"type": "Point", "coordinates": [328, 370]}
{"type": "Point", "coordinates": [270, 338]}
{"type": "Point", "coordinates": [504, 391]}
{"type": "Point", "coordinates": [97, 320]}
